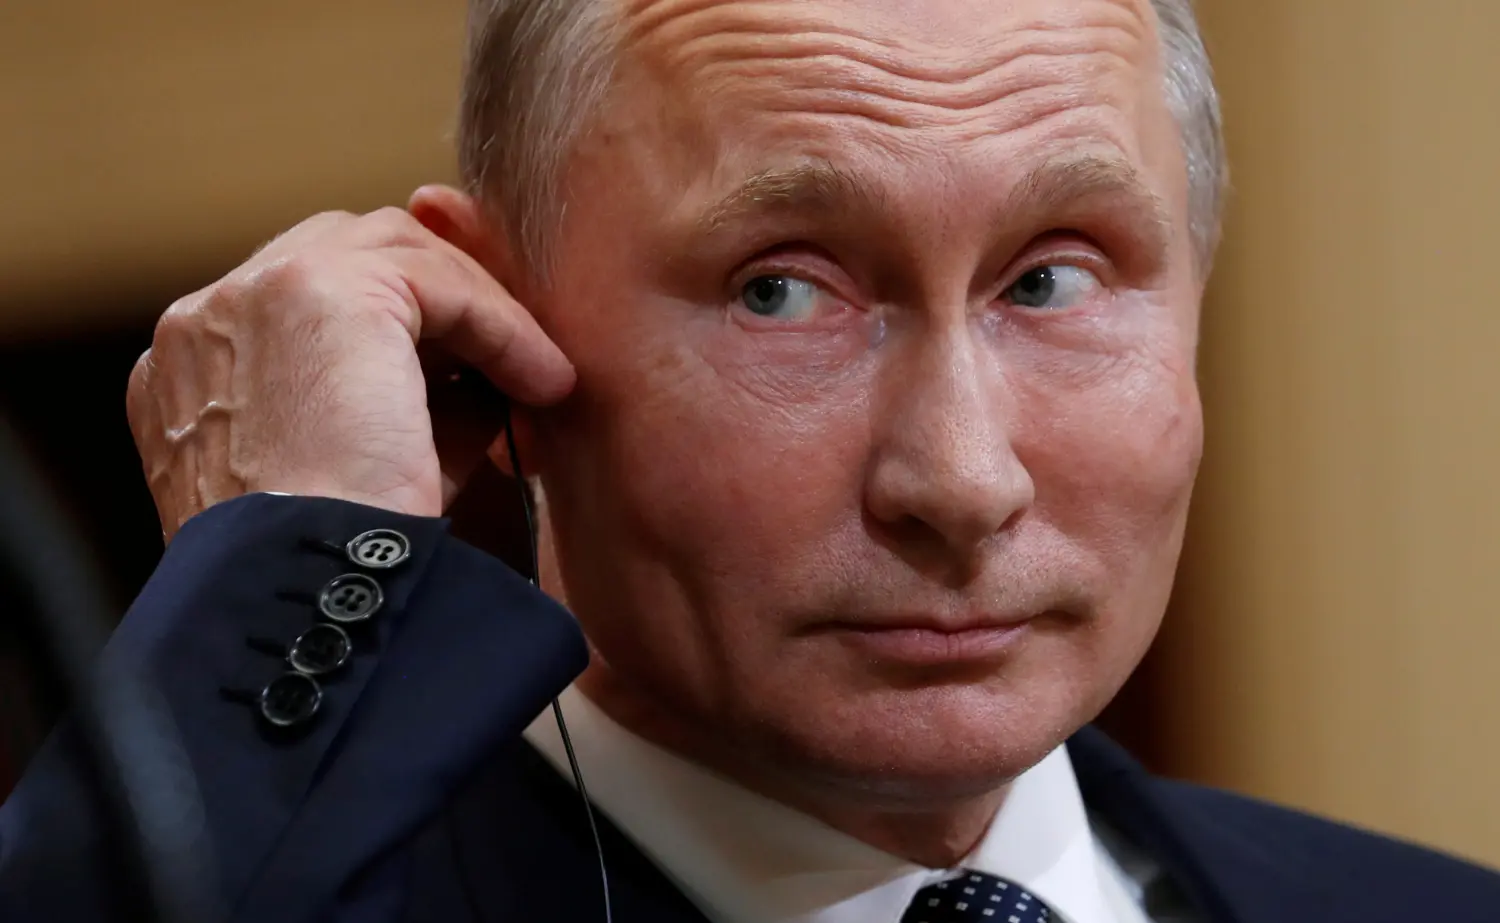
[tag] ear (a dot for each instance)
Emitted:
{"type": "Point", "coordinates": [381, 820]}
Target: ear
{"type": "Point", "coordinates": [460, 219]}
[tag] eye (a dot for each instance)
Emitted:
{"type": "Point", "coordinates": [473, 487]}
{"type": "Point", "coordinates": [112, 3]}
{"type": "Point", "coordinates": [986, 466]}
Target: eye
{"type": "Point", "coordinates": [1053, 288]}
{"type": "Point", "coordinates": [780, 297]}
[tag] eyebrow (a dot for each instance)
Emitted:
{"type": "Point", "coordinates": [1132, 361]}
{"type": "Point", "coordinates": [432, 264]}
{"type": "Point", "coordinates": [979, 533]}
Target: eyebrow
{"type": "Point", "coordinates": [803, 188]}
{"type": "Point", "coordinates": [1064, 182]}
{"type": "Point", "coordinates": [1052, 186]}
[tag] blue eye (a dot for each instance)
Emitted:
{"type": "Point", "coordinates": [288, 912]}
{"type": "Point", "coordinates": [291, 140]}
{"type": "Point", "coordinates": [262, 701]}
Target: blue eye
{"type": "Point", "coordinates": [1053, 288]}
{"type": "Point", "coordinates": [780, 297]}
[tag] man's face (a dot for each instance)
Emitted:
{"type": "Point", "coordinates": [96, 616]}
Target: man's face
{"type": "Point", "coordinates": [884, 317]}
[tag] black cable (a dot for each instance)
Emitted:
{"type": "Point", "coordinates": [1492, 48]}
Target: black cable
{"type": "Point", "coordinates": [562, 725]}
{"type": "Point", "coordinates": [129, 737]}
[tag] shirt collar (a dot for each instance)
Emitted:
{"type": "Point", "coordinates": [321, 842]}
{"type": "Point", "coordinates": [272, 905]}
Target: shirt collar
{"type": "Point", "coordinates": [743, 858]}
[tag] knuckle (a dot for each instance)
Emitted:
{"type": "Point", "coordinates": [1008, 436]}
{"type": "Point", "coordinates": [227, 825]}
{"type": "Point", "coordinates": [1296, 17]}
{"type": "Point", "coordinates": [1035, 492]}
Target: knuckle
{"type": "Point", "coordinates": [171, 345]}
{"type": "Point", "coordinates": [136, 388]}
{"type": "Point", "coordinates": [231, 301]}
{"type": "Point", "coordinates": [143, 363]}
{"type": "Point", "coordinates": [324, 220]}
{"type": "Point", "coordinates": [140, 373]}
{"type": "Point", "coordinates": [396, 225]}
{"type": "Point", "coordinates": [297, 283]}
{"type": "Point", "coordinates": [449, 262]}
{"type": "Point", "coordinates": [227, 300]}
{"type": "Point", "coordinates": [288, 285]}
{"type": "Point", "coordinates": [180, 315]}
{"type": "Point", "coordinates": [458, 263]}
{"type": "Point", "coordinates": [291, 275]}
{"type": "Point", "coordinates": [292, 298]}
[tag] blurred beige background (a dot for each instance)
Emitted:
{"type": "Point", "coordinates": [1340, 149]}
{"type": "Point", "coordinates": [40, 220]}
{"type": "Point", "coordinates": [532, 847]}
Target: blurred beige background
{"type": "Point", "coordinates": [1333, 642]}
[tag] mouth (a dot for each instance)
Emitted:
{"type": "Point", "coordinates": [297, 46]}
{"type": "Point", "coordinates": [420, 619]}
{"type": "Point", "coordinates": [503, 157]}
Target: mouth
{"type": "Point", "coordinates": [918, 641]}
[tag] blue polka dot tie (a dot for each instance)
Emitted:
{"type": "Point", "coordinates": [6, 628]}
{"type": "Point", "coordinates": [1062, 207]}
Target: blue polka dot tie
{"type": "Point", "coordinates": [975, 897]}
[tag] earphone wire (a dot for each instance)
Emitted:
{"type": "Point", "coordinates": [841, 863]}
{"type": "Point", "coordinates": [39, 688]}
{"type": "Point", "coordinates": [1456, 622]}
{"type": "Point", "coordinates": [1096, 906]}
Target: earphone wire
{"type": "Point", "coordinates": [562, 724]}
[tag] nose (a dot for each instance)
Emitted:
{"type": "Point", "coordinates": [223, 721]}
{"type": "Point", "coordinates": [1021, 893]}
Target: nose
{"type": "Point", "coordinates": [944, 471]}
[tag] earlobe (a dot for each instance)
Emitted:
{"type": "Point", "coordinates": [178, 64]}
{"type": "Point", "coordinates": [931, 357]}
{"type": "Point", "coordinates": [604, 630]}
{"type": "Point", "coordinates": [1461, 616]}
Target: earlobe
{"type": "Point", "coordinates": [522, 429]}
{"type": "Point", "coordinates": [499, 453]}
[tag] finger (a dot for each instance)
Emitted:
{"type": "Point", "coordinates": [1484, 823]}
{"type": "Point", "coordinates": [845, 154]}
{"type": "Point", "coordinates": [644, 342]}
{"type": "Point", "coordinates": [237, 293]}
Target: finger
{"type": "Point", "coordinates": [462, 308]}
{"type": "Point", "coordinates": [137, 402]}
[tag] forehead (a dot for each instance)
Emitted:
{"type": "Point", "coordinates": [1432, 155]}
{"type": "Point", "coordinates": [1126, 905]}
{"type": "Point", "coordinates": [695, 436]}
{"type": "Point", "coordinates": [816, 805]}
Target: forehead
{"type": "Point", "coordinates": [959, 69]}
{"type": "Point", "coordinates": [942, 110]}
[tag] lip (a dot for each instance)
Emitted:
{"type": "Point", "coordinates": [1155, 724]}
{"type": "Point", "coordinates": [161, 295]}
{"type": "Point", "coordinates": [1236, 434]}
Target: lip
{"type": "Point", "coordinates": [932, 643]}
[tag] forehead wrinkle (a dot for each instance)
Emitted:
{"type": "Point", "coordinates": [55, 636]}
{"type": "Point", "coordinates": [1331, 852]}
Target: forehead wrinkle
{"type": "Point", "coordinates": [906, 74]}
{"type": "Point", "coordinates": [670, 23]}
{"type": "Point", "coordinates": [1059, 78]}
{"type": "Point", "coordinates": [707, 43]}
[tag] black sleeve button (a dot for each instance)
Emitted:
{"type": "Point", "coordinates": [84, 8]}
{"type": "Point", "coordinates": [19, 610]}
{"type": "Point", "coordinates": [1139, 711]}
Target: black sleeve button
{"type": "Point", "coordinates": [290, 699]}
{"type": "Point", "coordinates": [379, 548]}
{"type": "Point", "coordinates": [350, 598]}
{"type": "Point", "coordinates": [319, 650]}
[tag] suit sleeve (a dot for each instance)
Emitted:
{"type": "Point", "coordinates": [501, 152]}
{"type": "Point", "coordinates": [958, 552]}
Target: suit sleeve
{"type": "Point", "coordinates": [306, 788]}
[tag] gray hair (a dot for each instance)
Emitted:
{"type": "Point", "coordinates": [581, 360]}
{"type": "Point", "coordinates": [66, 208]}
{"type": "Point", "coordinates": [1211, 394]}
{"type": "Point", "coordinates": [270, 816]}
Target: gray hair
{"type": "Point", "coordinates": [536, 70]}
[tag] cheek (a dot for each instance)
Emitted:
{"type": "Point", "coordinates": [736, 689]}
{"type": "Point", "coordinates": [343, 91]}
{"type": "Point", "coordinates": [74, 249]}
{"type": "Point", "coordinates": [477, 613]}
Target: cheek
{"type": "Point", "coordinates": [712, 452]}
{"type": "Point", "coordinates": [1114, 456]}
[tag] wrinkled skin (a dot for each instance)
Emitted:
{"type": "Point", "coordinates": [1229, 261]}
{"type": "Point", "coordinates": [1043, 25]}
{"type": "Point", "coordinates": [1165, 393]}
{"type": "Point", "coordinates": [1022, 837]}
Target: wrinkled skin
{"type": "Point", "coordinates": [909, 441]}
{"type": "Point", "coordinates": [803, 372]}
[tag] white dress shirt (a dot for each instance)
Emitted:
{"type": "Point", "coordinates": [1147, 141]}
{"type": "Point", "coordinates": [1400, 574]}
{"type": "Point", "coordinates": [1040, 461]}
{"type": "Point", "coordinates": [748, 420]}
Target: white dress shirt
{"type": "Point", "coordinates": [743, 858]}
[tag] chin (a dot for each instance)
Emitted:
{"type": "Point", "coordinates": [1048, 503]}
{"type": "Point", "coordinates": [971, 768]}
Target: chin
{"type": "Point", "coordinates": [920, 746]}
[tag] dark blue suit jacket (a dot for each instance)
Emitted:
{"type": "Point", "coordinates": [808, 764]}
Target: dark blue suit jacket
{"type": "Point", "coordinates": [412, 798]}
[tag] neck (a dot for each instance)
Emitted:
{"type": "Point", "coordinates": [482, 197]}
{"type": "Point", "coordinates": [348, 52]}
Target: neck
{"type": "Point", "coordinates": [934, 833]}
